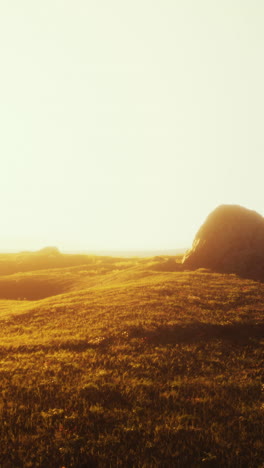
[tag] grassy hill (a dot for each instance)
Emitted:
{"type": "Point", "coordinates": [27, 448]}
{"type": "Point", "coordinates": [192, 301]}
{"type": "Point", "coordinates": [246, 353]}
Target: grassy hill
{"type": "Point", "coordinates": [128, 363]}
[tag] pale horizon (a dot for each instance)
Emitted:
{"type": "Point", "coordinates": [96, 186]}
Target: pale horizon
{"type": "Point", "coordinates": [124, 125]}
{"type": "Point", "coordinates": [111, 253]}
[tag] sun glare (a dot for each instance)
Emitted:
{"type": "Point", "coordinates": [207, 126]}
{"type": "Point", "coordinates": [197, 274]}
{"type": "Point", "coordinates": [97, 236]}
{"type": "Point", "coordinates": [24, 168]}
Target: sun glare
{"type": "Point", "coordinates": [114, 140]}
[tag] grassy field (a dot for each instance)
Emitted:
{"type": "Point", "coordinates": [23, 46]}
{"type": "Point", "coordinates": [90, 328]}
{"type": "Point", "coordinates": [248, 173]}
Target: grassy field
{"type": "Point", "coordinates": [113, 362]}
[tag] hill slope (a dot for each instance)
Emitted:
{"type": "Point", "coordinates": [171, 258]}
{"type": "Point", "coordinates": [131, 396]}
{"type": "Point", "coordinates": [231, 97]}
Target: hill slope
{"type": "Point", "coordinates": [131, 365]}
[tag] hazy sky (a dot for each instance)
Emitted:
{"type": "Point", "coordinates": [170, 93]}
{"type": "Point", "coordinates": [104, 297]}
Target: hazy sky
{"type": "Point", "coordinates": [124, 123]}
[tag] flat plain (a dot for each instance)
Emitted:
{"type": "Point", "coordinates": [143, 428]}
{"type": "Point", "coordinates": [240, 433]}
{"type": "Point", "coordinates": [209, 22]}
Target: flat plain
{"type": "Point", "coordinates": [128, 362]}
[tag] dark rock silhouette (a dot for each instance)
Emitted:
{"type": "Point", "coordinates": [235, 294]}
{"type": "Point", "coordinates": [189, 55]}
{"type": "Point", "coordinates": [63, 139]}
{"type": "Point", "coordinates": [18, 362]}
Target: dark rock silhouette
{"type": "Point", "coordinates": [231, 240]}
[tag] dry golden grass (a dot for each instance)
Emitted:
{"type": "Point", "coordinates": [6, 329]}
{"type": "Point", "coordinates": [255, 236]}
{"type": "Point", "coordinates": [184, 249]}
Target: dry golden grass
{"type": "Point", "coordinates": [118, 362]}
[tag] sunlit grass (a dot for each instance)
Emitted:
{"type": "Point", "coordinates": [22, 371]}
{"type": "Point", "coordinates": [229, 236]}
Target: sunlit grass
{"type": "Point", "coordinates": [129, 365]}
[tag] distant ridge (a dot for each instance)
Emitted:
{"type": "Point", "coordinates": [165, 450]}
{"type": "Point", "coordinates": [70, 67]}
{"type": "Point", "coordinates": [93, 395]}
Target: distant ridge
{"type": "Point", "coordinates": [51, 257]}
{"type": "Point", "coordinates": [130, 253]}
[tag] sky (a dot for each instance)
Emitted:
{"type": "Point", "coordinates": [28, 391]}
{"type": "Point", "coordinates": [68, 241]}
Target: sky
{"type": "Point", "coordinates": [124, 124]}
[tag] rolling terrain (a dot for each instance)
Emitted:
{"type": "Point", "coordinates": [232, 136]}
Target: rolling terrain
{"type": "Point", "coordinates": [128, 362]}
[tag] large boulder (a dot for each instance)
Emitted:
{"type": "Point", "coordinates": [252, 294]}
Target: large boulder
{"type": "Point", "coordinates": [230, 240]}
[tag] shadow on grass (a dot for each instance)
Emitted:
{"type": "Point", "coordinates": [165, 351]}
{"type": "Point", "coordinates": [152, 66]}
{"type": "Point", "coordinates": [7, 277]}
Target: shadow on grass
{"type": "Point", "coordinates": [255, 273]}
{"type": "Point", "coordinates": [240, 333]}
{"type": "Point", "coordinates": [193, 333]}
